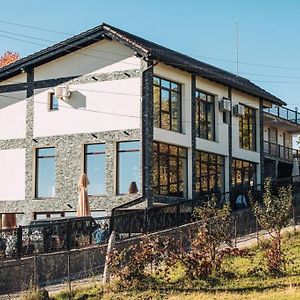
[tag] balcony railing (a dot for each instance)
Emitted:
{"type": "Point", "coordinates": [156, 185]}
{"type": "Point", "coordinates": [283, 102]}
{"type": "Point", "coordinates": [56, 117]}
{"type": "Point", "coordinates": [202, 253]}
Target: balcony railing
{"type": "Point", "coordinates": [284, 113]}
{"type": "Point", "coordinates": [280, 151]}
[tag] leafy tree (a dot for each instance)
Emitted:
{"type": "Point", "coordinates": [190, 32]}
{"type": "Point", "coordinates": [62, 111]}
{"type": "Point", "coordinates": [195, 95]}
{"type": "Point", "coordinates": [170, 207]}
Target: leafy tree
{"type": "Point", "coordinates": [8, 57]}
{"type": "Point", "coordinates": [273, 214]}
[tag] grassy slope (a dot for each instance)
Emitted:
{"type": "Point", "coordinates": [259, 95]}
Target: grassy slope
{"type": "Point", "coordinates": [257, 285]}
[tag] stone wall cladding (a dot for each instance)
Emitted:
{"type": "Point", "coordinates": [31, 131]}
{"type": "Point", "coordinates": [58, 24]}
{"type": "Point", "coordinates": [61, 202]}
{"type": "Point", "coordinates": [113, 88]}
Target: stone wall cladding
{"type": "Point", "coordinates": [69, 159]}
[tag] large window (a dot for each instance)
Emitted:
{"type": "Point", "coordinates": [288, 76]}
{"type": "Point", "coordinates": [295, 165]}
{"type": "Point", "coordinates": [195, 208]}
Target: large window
{"type": "Point", "coordinates": [45, 173]}
{"type": "Point", "coordinates": [128, 166]}
{"type": "Point", "coordinates": [94, 167]}
{"type": "Point", "coordinates": [167, 104]}
{"type": "Point", "coordinates": [169, 170]}
{"type": "Point", "coordinates": [248, 129]}
{"type": "Point", "coordinates": [205, 116]}
{"type": "Point", "coordinates": [209, 172]}
{"type": "Point", "coordinates": [243, 173]}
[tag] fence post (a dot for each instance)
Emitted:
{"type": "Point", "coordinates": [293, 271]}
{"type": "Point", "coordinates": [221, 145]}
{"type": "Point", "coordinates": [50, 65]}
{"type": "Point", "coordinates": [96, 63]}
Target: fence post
{"type": "Point", "coordinates": [235, 233]}
{"type": "Point", "coordinates": [256, 229]}
{"type": "Point", "coordinates": [177, 214]}
{"type": "Point", "coordinates": [36, 273]}
{"type": "Point", "coordinates": [19, 241]}
{"type": "Point", "coordinates": [145, 221]}
{"type": "Point", "coordinates": [110, 246]}
{"type": "Point", "coordinates": [69, 271]}
{"type": "Point", "coordinates": [68, 235]}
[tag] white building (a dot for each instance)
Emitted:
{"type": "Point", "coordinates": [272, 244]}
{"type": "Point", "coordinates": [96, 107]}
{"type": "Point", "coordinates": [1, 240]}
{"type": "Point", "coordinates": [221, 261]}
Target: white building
{"type": "Point", "coordinates": [125, 110]}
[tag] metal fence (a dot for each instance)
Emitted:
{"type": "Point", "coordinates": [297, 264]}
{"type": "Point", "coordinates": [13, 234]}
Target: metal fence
{"type": "Point", "coordinates": [280, 151]}
{"type": "Point", "coordinates": [73, 233]}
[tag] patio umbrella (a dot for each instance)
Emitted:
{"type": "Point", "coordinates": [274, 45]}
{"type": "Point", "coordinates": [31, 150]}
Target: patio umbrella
{"type": "Point", "coordinates": [9, 221]}
{"type": "Point", "coordinates": [83, 207]}
{"type": "Point", "coordinates": [295, 171]}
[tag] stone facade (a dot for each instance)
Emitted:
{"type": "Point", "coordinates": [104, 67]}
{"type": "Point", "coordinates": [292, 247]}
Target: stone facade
{"type": "Point", "coordinates": [69, 159]}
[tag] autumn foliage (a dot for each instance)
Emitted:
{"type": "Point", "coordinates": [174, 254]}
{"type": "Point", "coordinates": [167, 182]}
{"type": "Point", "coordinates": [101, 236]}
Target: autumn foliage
{"type": "Point", "coordinates": [8, 57]}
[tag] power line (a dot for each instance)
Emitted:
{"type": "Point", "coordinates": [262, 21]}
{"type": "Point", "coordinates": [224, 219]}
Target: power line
{"type": "Point", "coordinates": [195, 55]}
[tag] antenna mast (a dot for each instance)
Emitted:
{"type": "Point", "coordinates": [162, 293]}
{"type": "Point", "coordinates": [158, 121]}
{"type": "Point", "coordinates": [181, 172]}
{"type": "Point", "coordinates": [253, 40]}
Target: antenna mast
{"type": "Point", "coordinates": [237, 47]}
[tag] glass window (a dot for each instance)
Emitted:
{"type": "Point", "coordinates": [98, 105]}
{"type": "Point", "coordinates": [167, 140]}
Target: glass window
{"type": "Point", "coordinates": [247, 127]}
{"type": "Point", "coordinates": [209, 172]}
{"type": "Point", "coordinates": [243, 173]}
{"type": "Point", "coordinates": [94, 167]}
{"type": "Point", "coordinates": [205, 116]}
{"type": "Point", "coordinates": [169, 173]}
{"type": "Point", "coordinates": [128, 166]}
{"type": "Point", "coordinates": [53, 102]}
{"type": "Point", "coordinates": [167, 104]}
{"type": "Point", "coordinates": [45, 172]}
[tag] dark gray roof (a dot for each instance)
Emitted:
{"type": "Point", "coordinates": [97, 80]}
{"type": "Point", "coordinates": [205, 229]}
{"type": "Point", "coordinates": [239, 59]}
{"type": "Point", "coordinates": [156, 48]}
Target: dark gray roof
{"type": "Point", "coordinates": [144, 48]}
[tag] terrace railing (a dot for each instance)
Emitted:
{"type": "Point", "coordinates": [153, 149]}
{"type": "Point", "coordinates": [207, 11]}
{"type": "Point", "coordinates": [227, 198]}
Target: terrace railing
{"type": "Point", "coordinates": [280, 151]}
{"type": "Point", "coordinates": [284, 113]}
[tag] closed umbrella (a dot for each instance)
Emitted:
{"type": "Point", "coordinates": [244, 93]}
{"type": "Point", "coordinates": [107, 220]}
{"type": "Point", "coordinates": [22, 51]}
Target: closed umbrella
{"type": "Point", "coordinates": [295, 171]}
{"type": "Point", "coordinates": [83, 207]}
{"type": "Point", "coordinates": [9, 221]}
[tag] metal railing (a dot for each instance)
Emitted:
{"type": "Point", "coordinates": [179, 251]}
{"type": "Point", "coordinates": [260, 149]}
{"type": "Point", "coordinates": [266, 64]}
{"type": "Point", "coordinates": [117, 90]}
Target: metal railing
{"type": "Point", "coordinates": [284, 113]}
{"type": "Point", "coordinates": [48, 236]}
{"type": "Point", "coordinates": [280, 151]}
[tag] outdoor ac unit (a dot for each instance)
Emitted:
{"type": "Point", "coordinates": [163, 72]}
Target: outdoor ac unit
{"type": "Point", "coordinates": [225, 105]}
{"type": "Point", "coordinates": [239, 110]}
{"type": "Point", "coordinates": [62, 92]}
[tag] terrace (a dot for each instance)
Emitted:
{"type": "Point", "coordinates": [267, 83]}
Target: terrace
{"type": "Point", "coordinates": [284, 113]}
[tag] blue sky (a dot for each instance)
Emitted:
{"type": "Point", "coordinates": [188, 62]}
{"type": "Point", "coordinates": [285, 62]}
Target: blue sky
{"type": "Point", "coordinates": [268, 32]}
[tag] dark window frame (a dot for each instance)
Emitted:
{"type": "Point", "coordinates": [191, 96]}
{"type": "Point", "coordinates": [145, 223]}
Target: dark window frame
{"type": "Point", "coordinates": [246, 166]}
{"type": "Point", "coordinates": [118, 162]}
{"type": "Point", "coordinates": [36, 174]}
{"type": "Point", "coordinates": [51, 106]}
{"type": "Point", "coordinates": [160, 111]}
{"type": "Point", "coordinates": [205, 125]}
{"type": "Point", "coordinates": [213, 161]}
{"type": "Point", "coordinates": [85, 163]}
{"type": "Point", "coordinates": [247, 136]}
{"type": "Point", "coordinates": [167, 155]}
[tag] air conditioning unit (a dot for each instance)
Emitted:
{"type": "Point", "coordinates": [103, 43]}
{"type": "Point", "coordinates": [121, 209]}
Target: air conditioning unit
{"type": "Point", "coordinates": [239, 110]}
{"type": "Point", "coordinates": [225, 104]}
{"type": "Point", "coordinates": [62, 92]}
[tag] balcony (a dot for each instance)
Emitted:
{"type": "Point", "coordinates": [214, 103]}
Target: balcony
{"type": "Point", "coordinates": [284, 113]}
{"type": "Point", "coordinates": [281, 152]}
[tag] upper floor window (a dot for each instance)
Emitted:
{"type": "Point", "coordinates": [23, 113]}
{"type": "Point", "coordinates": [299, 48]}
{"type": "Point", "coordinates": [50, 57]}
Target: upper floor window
{"type": "Point", "coordinates": [45, 173]}
{"type": "Point", "coordinates": [128, 167]}
{"type": "Point", "coordinates": [247, 127]}
{"type": "Point", "coordinates": [94, 167]}
{"type": "Point", "coordinates": [209, 172]}
{"type": "Point", "coordinates": [167, 104]}
{"type": "Point", "coordinates": [243, 173]}
{"type": "Point", "coordinates": [205, 116]}
{"type": "Point", "coordinates": [169, 174]}
{"type": "Point", "coordinates": [52, 102]}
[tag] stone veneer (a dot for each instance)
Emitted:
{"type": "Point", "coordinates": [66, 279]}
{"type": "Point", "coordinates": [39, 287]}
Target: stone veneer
{"type": "Point", "coordinates": [69, 159]}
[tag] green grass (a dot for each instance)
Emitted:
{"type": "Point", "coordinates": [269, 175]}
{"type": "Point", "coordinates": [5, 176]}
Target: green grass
{"type": "Point", "coordinates": [249, 280]}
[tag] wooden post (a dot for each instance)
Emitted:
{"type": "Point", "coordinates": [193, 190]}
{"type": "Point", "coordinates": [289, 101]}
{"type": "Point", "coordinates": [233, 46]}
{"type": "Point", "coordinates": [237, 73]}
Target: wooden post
{"type": "Point", "coordinates": [110, 246]}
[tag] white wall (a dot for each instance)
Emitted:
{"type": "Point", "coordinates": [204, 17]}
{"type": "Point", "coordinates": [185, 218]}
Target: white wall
{"type": "Point", "coordinates": [103, 56]}
{"type": "Point", "coordinates": [12, 115]}
{"type": "Point", "coordinates": [12, 174]}
{"type": "Point", "coordinates": [92, 107]}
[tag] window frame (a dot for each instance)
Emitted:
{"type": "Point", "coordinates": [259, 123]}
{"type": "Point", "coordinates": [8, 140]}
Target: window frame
{"type": "Point", "coordinates": [197, 116]}
{"type": "Point", "coordinates": [51, 97]}
{"type": "Point", "coordinates": [36, 173]}
{"type": "Point", "coordinates": [167, 155]}
{"type": "Point", "coordinates": [85, 163]}
{"type": "Point", "coordinates": [209, 163]}
{"type": "Point", "coordinates": [248, 145]}
{"type": "Point", "coordinates": [252, 168]}
{"type": "Point", "coordinates": [160, 111]}
{"type": "Point", "coordinates": [117, 190]}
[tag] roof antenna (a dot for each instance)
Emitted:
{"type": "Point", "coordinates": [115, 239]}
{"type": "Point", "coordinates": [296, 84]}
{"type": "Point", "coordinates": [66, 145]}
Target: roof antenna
{"type": "Point", "coordinates": [237, 46]}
